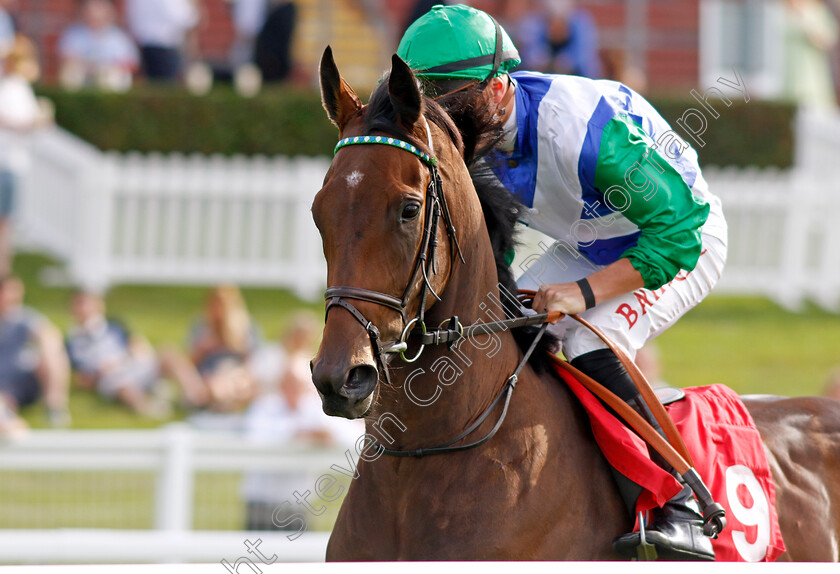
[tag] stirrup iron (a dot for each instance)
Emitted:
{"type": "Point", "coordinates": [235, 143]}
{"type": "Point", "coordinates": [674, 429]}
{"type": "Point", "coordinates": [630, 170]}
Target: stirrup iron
{"type": "Point", "coordinates": [645, 552]}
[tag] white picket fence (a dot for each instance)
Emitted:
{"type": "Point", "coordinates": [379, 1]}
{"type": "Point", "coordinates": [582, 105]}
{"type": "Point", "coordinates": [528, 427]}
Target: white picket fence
{"type": "Point", "coordinates": [117, 218]}
{"type": "Point", "coordinates": [177, 219]}
{"type": "Point", "coordinates": [783, 236]}
{"type": "Point", "coordinates": [90, 477]}
{"type": "Point", "coordinates": [783, 230]}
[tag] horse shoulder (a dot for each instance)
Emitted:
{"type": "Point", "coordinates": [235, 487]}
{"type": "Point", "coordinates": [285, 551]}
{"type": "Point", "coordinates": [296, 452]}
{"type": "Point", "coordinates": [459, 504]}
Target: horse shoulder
{"type": "Point", "coordinates": [540, 489]}
{"type": "Point", "coordinates": [557, 477]}
{"type": "Point", "coordinates": [362, 532]}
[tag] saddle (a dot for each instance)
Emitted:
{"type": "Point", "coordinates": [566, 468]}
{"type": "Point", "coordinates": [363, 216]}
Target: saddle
{"type": "Point", "coordinates": [717, 428]}
{"type": "Point", "coordinates": [669, 395]}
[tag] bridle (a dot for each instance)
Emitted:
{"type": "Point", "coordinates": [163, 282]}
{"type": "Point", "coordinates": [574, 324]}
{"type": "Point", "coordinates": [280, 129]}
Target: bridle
{"type": "Point", "coordinates": [435, 209]}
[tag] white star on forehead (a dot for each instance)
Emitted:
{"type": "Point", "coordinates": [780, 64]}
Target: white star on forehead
{"type": "Point", "coordinates": [354, 179]}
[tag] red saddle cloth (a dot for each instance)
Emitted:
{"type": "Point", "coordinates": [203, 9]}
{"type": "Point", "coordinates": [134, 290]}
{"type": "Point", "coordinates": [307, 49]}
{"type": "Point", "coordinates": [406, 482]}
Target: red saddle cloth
{"type": "Point", "coordinates": [727, 451]}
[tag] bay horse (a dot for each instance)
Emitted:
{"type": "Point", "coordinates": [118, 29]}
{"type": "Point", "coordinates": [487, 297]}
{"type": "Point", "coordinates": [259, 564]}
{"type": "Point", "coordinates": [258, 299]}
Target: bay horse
{"type": "Point", "coordinates": [540, 489]}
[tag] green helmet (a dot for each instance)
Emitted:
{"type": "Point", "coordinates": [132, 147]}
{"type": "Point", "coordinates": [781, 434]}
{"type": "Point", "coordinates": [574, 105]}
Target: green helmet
{"type": "Point", "coordinates": [451, 42]}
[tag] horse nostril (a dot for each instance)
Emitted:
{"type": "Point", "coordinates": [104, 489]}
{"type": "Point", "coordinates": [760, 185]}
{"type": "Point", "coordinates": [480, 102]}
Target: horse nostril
{"type": "Point", "coordinates": [328, 379]}
{"type": "Point", "coordinates": [360, 381]}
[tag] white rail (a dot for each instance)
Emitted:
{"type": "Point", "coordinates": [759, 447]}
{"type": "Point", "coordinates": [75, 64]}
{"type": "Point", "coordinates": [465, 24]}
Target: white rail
{"type": "Point", "coordinates": [170, 459]}
{"type": "Point", "coordinates": [70, 546]}
{"type": "Point", "coordinates": [182, 219]}
{"type": "Point", "coordinates": [783, 235]}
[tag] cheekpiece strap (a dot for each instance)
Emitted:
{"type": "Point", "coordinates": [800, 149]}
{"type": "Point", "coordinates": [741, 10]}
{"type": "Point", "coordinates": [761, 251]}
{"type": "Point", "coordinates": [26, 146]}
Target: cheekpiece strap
{"type": "Point", "coordinates": [427, 159]}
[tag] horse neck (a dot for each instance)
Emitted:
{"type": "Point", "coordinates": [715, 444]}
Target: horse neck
{"type": "Point", "coordinates": [465, 379]}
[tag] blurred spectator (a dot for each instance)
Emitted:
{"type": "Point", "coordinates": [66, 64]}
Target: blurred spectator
{"type": "Point", "coordinates": [248, 18]}
{"type": "Point", "coordinates": [162, 29]}
{"type": "Point", "coordinates": [290, 412]}
{"type": "Point", "coordinates": [7, 30]}
{"type": "Point", "coordinates": [33, 363]}
{"type": "Point", "coordinates": [220, 345]}
{"type": "Point", "coordinates": [262, 47]}
{"type": "Point", "coordinates": [832, 385]}
{"type": "Point", "coordinates": [810, 37]}
{"type": "Point", "coordinates": [273, 48]}
{"type": "Point", "coordinates": [95, 51]}
{"type": "Point", "coordinates": [20, 111]}
{"type": "Point", "coordinates": [291, 353]}
{"type": "Point", "coordinates": [557, 37]}
{"type": "Point", "coordinates": [11, 424]}
{"type": "Point", "coordinates": [616, 67]}
{"type": "Point", "coordinates": [125, 367]}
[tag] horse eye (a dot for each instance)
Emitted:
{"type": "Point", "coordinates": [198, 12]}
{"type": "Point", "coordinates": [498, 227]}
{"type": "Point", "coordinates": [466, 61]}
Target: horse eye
{"type": "Point", "coordinates": [410, 211]}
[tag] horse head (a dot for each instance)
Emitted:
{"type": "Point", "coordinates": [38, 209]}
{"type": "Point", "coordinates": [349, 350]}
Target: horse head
{"type": "Point", "coordinates": [388, 235]}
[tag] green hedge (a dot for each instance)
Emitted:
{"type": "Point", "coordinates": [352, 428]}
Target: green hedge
{"type": "Point", "coordinates": [278, 122]}
{"type": "Point", "coordinates": [286, 121]}
{"type": "Point", "coordinates": [755, 133]}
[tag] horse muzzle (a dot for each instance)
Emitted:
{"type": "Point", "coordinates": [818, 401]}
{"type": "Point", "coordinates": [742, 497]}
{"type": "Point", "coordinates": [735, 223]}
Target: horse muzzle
{"type": "Point", "coordinates": [345, 392]}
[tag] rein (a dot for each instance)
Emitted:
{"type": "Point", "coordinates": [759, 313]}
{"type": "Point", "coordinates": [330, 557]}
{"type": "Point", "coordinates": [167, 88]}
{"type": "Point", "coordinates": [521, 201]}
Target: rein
{"type": "Point", "coordinates": [506, 393]}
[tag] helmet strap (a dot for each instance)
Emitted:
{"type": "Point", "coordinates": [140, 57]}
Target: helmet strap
{"type": "Point", "coordinates": [503, 105]}
{"type": "Point", "coordinates": [455, 91]}
{"type": "Point", "coordinates": [497, 55]}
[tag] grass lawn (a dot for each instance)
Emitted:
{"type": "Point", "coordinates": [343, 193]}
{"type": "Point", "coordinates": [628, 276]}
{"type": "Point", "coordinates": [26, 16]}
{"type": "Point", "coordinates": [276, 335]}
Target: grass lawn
{"type": "Point", "coordinates": [750, 344]}
{"type": "Point", "coordinates": [753, 346]}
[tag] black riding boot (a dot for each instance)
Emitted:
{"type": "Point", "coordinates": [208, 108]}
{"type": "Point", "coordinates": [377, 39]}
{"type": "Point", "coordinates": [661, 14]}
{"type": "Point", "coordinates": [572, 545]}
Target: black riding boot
{"type": "Point", "coordinates": [676, 529]}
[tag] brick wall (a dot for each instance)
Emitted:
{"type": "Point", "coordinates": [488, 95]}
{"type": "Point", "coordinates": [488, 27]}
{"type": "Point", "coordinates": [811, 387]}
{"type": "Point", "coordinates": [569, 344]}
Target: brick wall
{"type": "Point", "coordinates": [673, 57]}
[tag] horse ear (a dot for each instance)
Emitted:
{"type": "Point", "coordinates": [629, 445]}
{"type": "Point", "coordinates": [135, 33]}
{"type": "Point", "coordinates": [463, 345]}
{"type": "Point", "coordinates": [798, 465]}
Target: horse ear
{"type": "Point", "coordinates": [338, 98]}
{"type": "Point", "coordinates": [404, 93]}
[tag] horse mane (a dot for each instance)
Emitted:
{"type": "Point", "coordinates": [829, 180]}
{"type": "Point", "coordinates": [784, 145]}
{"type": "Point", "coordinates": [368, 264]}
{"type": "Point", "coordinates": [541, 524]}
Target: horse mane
{"type": "Point", "coordinates": [501, 212]}
{"type": "Point", "coordinates": [474, 133]}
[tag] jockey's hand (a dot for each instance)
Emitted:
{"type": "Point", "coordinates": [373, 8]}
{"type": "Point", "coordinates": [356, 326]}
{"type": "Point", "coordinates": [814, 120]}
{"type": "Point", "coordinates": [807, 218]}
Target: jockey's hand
{"type": "Point", "coordinates": [564, 297]}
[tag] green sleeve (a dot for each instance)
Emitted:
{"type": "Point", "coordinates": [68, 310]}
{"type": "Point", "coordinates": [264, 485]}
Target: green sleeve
{"type": "Point", "coordinates": [653, 196]}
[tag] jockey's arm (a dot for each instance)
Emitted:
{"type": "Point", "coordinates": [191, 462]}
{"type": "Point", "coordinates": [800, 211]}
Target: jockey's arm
{"type": "Point", "coordinates": [615, 279]}
{"type": "Point", "coordinates": [658, 202]}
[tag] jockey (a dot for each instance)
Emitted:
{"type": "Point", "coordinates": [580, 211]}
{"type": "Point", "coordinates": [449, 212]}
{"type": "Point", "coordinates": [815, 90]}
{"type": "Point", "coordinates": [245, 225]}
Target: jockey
{"type": "Point", "coordinates": [639, 239]}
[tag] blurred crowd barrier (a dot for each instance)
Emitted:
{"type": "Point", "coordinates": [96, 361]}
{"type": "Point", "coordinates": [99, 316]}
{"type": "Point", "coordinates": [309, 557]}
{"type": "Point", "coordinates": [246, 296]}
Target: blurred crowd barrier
{"type": "Point", "coordinates": [171, 494]}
